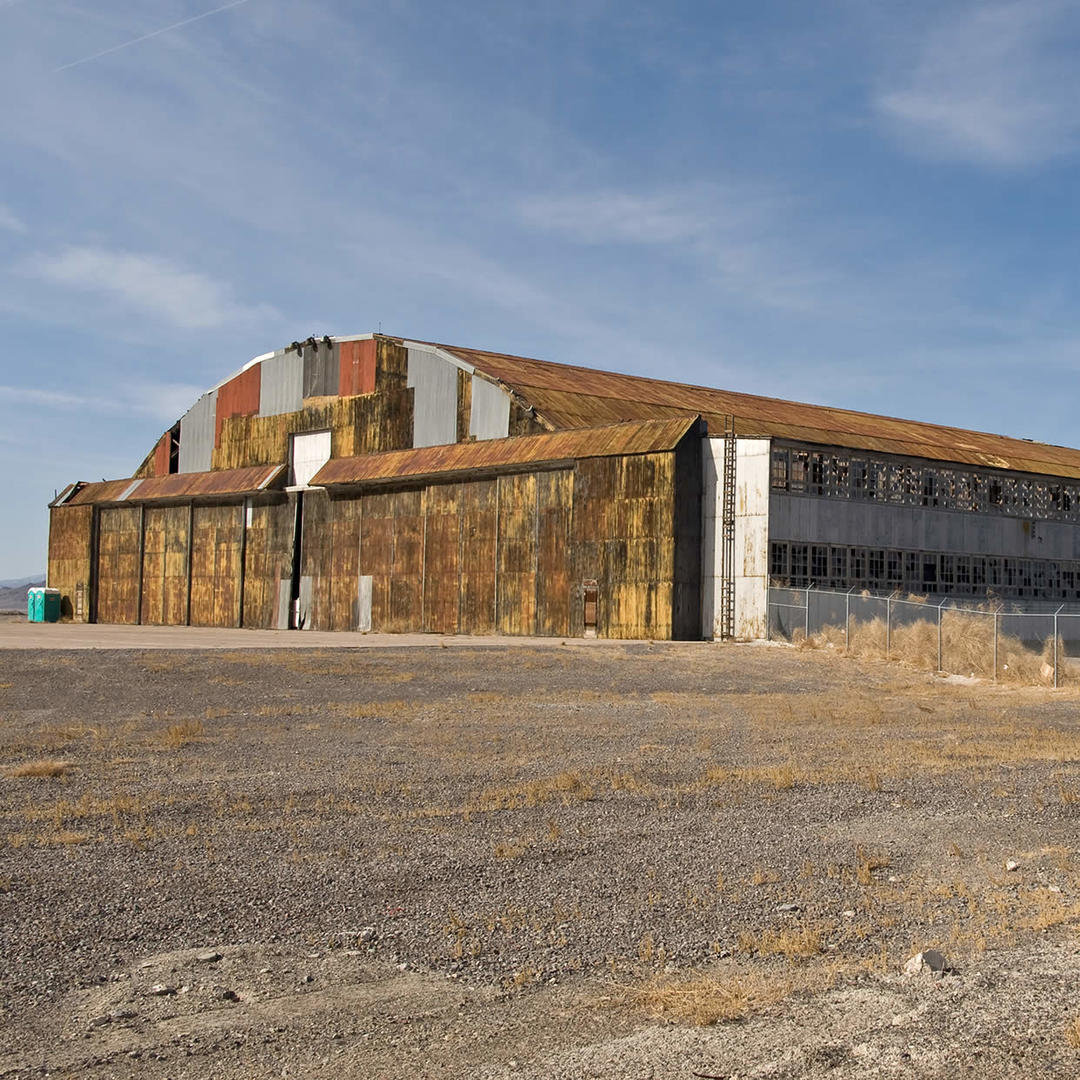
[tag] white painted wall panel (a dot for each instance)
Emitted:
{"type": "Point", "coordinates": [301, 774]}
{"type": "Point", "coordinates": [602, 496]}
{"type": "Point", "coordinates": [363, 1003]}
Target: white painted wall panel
{"type": "Point", "coordinates": [434, 383]}
{"type": "Point", "coordinates": [751, 537]}
{"type": "Point", "coordinates": [489, 417]}
{"type": "Point", "coordinates": [310, 453]}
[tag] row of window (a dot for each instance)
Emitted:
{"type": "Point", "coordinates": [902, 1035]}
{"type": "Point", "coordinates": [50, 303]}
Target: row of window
{"type": "Point", "coordinates": [922, 572]}
{"type": "Point", "coordinates": [840, 475]}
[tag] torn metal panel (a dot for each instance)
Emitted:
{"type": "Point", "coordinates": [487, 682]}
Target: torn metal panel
{"type": "Point", "coordinates": [198, 430]}
{"type": "Point", "coordinates": [322, 369]}
{"type": "Point", "coordinates": [434, 385]}
{"type": "Point", "coordinates": [490, 413]}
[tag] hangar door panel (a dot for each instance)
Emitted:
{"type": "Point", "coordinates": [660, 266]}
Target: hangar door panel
{"type": "Point", "coordinates": [310, 453]}
{"type": "Point", "coordinates": [215, 565]}
{"type": "Point", "coordinates": [165, 543]}
{"type": "Point", "coordinates": [118, 565]}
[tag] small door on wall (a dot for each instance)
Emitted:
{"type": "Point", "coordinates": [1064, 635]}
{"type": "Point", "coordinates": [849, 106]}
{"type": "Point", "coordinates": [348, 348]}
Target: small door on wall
{"type": "Point", "coordinates": [590, 592]}
{"type": "Point", "coordinates": [310, 452]}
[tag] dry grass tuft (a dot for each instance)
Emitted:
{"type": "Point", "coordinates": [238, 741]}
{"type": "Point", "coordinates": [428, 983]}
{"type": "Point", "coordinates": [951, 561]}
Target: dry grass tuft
{"type": "Point", "coordinates": [704, 1000]}
{"type": "Point", "coordinates": [967, 647]}
{"type": "Point", "coordinates": [567, 786]}
{"type": "Point", "coordinates": [1072, 1033]}
{"type": "Point", "coordinates": [179, 735]}
{"type": "Point", "coordinates": [45, 768]}
{"type": "Point", "coordinates": [795, 943]}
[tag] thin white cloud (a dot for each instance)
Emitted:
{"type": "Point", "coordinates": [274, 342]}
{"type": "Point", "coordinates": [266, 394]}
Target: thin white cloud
{"type": "Point", "coordinates": [10, 221]}
{"type": "Point", "coordinates": [148, 285]}
{"type": "Point", "coordinates": [992, 85]}
{"type": "Point", "coordinates": [159, 401]}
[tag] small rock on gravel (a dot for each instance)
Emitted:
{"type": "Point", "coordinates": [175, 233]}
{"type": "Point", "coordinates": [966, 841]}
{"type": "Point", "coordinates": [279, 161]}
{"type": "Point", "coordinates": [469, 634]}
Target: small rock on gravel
{"type": "Point", "coordinates": [929, 962]}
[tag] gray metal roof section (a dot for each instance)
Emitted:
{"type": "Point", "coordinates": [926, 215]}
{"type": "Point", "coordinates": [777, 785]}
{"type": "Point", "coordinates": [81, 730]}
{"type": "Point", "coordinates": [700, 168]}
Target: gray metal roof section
{"type": "Point", "coordinates": [490, 414]}
{"type": "Point", "coordinates": [281, 387]}
{"type": "Point", "coordinates": [197, 431]}
{"type": "Point", "coordinates": [434, 383]}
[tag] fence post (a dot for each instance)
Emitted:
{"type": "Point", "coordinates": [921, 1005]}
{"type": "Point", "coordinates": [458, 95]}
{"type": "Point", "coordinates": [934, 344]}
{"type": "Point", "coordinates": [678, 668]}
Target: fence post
{"type": "Point", "coordinates": [806, 618]}
{"type": "Point", "coordinates": [1056, 613]}
{"type": "Point", "coordinates": [888, 626]}
{"type": "Point", "coordinates": [768, 611]}
{"type": "Point", "coordinates": [939, 607]}
{"type": "Point", "coordinates": [847, 620]}
{"type": "Point", "coordinates": [995, 644]}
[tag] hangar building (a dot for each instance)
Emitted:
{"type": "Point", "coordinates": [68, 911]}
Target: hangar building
{"type": "Point", "coordinates": [377, 483]}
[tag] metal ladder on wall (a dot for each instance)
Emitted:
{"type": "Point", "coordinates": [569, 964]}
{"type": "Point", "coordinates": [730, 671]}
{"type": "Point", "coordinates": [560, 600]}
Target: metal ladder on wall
{"type": "Point", "coordinates": [727, 534]}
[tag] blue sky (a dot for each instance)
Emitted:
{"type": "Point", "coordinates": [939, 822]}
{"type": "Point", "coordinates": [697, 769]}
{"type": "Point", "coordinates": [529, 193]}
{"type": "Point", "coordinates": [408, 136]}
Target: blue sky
{"type": "Point", "coordinates": [865, 205]}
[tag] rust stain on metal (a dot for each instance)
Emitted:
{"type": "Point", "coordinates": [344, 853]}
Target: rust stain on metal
{"type": "Point", "coordinates": [618, 439]}
{"type": "Point", "coordinates": [181, 486]}
{"type": "Point", "coordinates": [357, 367]}
{"type": "Point", "coordinates": [568, 396]}
{"type": "Point", "coordinates": [238, 397]}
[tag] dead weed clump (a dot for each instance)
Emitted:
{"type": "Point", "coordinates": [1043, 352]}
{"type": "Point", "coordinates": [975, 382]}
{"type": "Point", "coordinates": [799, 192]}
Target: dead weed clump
{"type": "Point", "coordinates": [967, 647]}
{"type": "Point", "coordinates": [48, 768]}
{"type": "Point", "coordinates": [179, 735]}
{"type": "Point", "coordinates": [1072, 1033]}
{"type": "Point", "coordinates": [569, 787]}
{"type": "Point", "coordinates": [701, 999]}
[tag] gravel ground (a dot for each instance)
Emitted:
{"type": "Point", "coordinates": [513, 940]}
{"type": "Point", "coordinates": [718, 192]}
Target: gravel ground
{"type": "Point", "coordinates": [507, 862]}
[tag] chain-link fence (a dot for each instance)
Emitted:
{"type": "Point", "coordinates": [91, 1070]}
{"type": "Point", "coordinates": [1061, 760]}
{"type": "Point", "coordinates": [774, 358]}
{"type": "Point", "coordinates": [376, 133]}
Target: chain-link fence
{"type": "Point", "coordinates": [990, 641]}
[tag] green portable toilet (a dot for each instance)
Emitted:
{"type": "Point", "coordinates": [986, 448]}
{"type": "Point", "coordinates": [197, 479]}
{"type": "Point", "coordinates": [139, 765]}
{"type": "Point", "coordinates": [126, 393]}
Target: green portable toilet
{"type": "Point", "coordinates": [35, 605]}
{"type": "Point", "coordinates": [50, 605]}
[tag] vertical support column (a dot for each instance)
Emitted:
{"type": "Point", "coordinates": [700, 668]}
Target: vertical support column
{"type": "Point", "coordinates": [1056, 614]}
{"type": "Point", "coordinates": [995, 645]}
{"type": "Point", "coordinates": [939, 607]}
{"type": "Point", "coordinates": [727, 534]}
{"type": "Point", "coordinates": [888, 626]}
{"type": "Point", "coordinates": [806, 615]}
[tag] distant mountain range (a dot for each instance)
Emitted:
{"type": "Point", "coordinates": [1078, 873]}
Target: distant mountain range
{"type": "Point", "coordinates": [13, 592]}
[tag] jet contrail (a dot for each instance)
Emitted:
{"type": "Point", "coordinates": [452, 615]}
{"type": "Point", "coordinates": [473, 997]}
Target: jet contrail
{"type": "Point", "coordinates": [152, 34]}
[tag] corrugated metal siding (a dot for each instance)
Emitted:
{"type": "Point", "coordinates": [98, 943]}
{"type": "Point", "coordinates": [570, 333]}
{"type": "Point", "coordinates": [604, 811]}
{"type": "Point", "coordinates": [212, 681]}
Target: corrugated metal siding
{"type": "Point", "coordinates": [198, 429]}
{"type": "Point", "coordinates": [164, 574]}
{"type": "Point", "coordinates": [557, 446]}
{"type": "Point", "coordinates": [281, 385]}
{"type": "Point", "coordinates": [576, 396]}
{"type": "Point", "coordinates": [435, 393]}
{"type": "Point", "coordinates": [356, 367]}
{"type": "Point", "coordinates": [238, 397]}
{"type": "Point", "coordinates": [229, 482]}
{"type": "Point", "coordinates": [322, 370]}
{"type": "Point", "coordinates": [215, 565]}
{"type": "Point", "coordinates": [70, 551]}
{"type": "Point", "coordinates": [118, 565]}
{"type": "Point", "coordinates": [268, 554]}
{"type": "Point", "coordinates": [489, 417]}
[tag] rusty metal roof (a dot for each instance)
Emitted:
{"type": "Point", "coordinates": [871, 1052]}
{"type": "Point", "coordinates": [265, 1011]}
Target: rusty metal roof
{"type": "Point", "coordinates": [570, 397]}
{"type": "Point", "coordinates": [616, 440]}
{"type": "Point", "coordinates": [200, 485]}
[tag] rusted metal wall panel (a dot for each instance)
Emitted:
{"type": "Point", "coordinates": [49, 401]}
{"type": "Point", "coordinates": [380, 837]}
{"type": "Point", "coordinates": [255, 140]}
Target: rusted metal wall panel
{"type": "Point", "coordinates": [434, 385]}
{"type": "Point", "coordinates": [554, 539]}
{"type": "Point", "coordinates": [377, 553]}
{"type": "Point", "coordinates": [489, 417]}
{"type": "Point", "coordinates": [70, 551]}
{"type": "Point", "coordinates": [344, 566]}
{"type": "Point", "coordinates": [281, 384]}
{"type": "Point", "coordinates": [316, 562]}
{"type": "Point", "coordinates": [198, 430]}
{"type": "Point", "coordinates": [322, 370]}
{"type": "Point", "coordinates": [118, 565]}
{"type": "Point", "coordinates": [268, 556]}
{"type": "Point", "coordinates": [464, 405]}
{"type": "Point", "coordinates": [479, 527]}
{"type": "Point", "coordinates": [356, 367]}
{"type": "Point", "coordinates": [517, 554]}
{"type": "Point", "coordinates": [238, 397]}
{"type": "Point", "coordinates": [623, 526]}
{"type": "Point", "coordinates": [365, 424]}
{"type": "Point", "coordinates": [164, 573]}
{"type": "Point", "coordinates": [215, 565]}
{"type": "Point", "coordinates": [392, 552]}
{"type": "Point", "coordinates": [442, 558]}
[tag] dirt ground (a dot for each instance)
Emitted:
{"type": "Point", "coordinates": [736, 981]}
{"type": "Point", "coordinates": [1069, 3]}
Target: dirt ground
{"type": "Point", "coordinates": [619, 861]}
